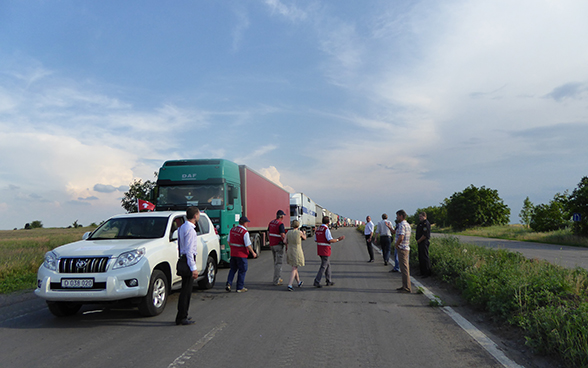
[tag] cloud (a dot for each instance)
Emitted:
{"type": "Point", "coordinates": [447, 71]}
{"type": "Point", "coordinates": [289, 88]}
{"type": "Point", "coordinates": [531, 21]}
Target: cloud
{"type": "Point", "coordinates": [290, 11]}
{"type": "Point", "coordinates": [568, 90]}
{"type": "Point", "coordinates": [91, 198]}
{"type": "Point", "coordinates": [274, 175]}
{"type": "Point", "coordinates": [102, 188]}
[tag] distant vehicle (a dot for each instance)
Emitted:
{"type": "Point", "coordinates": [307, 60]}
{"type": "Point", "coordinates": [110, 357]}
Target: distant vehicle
{"type": "Point", "coordinates": [226, 191]}
{"type": "Point", "coordinates": [303, 209]}
{"type": "Point", "coordinates": [130, 257]}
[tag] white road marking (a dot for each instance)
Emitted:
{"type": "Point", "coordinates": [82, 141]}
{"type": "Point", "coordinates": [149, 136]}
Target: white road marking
{"type": "Point", "coordinates": [188, 354]}
{"type": "Point", "coordinates": [476, 334]}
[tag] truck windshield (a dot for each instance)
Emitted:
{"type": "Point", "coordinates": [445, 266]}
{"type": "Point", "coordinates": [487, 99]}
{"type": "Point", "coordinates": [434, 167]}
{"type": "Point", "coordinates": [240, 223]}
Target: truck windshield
{"type": "Point", "coordinates": [182, 196]}
{"type": "Point", "coordinates": [131, 228]}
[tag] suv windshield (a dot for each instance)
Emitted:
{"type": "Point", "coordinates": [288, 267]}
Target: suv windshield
{"type": "Point", "coordinates": [131, 228]}
{"type": "Point", "coordinates": [182, 196]}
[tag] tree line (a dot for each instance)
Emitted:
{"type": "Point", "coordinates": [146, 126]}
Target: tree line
{"type": "Point", "coordinates": [481, 207]}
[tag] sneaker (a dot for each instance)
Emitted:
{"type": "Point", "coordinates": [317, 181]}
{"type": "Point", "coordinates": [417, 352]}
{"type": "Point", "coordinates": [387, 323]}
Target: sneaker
{"type": "Point", "coordinates": [300, 283]}
{"type": "Point", "coordinates": [317, 285]}
{"type": "Point", "coordinates": [290, 288]}
{"type": "Point", "coordinates": [280, 281]}
{"type": "Point", "coordinates": [330, 283]}
{"type": "Point", "coordinates": [228, 287]}
{"type": "Point", "coordinates": [242, 290]}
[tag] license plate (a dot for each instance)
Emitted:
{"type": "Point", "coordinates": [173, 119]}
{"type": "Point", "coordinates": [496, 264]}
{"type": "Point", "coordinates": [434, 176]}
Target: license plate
{"type": "Point", "coordinates": [77, 283]}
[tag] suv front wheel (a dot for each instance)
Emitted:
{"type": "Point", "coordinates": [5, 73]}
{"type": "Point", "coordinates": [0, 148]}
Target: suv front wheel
{"type": "Point", "coordinates": [154, 302]}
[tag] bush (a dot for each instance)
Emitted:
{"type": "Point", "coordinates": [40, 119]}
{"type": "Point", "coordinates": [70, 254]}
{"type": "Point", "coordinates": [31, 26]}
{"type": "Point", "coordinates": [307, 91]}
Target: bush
{"type": "Point", "coordinates": [552, 216]}
{"type": "Point", "coordinates": [549, 302]}
{"type": "Point", "coordinates": [578, 203]}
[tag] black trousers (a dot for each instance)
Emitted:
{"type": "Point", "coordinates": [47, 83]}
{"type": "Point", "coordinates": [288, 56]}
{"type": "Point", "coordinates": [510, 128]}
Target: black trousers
{"type": "Point", "coordinates": [184, 299]}
{"type": "Point", "coordinates": [369, 247]}
{"type": "Point", "coordinates": [424, 261]}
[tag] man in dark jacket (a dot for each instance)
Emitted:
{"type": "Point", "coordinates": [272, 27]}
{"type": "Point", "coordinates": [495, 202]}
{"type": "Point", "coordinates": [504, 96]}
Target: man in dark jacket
{"type": "Point", "coordinates": [423, 234]}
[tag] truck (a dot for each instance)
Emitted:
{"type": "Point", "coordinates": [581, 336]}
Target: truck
{"type": "Point", "coordinates": [303, 209]}
{"type": "Point", "coordinates": [225, 191]}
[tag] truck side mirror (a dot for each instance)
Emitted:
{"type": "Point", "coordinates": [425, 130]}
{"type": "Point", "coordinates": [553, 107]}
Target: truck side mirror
{"type": "Point", "coordinates": [230, 207]}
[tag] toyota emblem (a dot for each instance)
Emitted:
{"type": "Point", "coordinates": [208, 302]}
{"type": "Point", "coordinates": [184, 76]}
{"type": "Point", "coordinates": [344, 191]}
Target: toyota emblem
{"type": "Point", "coordinates": [81, 263]}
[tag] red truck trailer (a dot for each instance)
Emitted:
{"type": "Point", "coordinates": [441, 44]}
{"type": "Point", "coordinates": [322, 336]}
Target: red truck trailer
{"type": "Point", "coordinates": [261, 200]}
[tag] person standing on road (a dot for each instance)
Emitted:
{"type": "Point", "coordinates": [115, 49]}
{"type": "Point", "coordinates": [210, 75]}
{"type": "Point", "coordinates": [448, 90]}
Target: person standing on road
{"type": "Point", "coordinates": [423, 234]}
{"type": "Point", "coordinates": [295, 255]}
{"type": "Point", "coordinates": [277, 237]}
{"type": "Point", "coordinates": [324, 239]}
{"type": "Point", "coordinates": [385, 231]}
{"type": "Point", "coordinates": [403, 245]}
{"type": "Point", "coordinates": [187, 242]}
{"type": "Point", "coordinates": [240, 244]}
{"type": "Point", "coordinates": [396, 267]}
{"type": "Point", "coordinates": [369, 233]}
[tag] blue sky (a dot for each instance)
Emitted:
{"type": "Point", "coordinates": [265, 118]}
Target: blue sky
{"type": "Point", "coordinates": [367, 107]}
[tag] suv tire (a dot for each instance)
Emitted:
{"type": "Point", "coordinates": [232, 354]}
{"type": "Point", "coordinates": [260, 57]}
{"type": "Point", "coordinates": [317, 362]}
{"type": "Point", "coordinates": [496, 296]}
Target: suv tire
{"type": "Point", "coordinates": [154, 302]}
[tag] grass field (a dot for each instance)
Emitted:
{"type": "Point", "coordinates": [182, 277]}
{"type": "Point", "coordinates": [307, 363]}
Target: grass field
{"type": "Point", "coordinates": [22, 252]}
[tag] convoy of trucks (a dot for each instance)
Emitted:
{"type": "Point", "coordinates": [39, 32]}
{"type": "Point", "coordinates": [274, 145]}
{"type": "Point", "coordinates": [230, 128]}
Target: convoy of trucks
{"type": "Point", "coordinates": [225, 191]}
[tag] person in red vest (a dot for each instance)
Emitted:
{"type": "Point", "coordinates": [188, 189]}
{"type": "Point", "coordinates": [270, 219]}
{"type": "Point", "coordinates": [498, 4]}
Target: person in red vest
{"type": "Point", "coordinates": [277, 238]}
{"type": "Point", "coordinates": [324, 239]}
{"type": "Point", "coordinates": [240, 244]}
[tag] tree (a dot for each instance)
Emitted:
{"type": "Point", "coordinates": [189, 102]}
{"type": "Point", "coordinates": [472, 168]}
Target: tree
{"type": "Point", "coordinates": [578, 203]}
{"type": "Point", "coordinates": [34, 225]}
{"type": "Point", "coordinates": [527, 212]}
{"type": "Point", "coordinates": [552, 216]}
{"type": "Point", "coordinates": [435, 214]}
{"type": "Point", "coordinates": [137, 190]}
{"type": "Point", "coordinates": [476, 207]}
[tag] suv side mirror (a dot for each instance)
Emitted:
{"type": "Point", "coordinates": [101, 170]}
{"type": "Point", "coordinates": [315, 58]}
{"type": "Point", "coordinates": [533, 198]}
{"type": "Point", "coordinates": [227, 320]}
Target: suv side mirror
{"type": "Point", "coordinates": [174, 236]}
{"type": "Point", "coordinates": [86, 235]}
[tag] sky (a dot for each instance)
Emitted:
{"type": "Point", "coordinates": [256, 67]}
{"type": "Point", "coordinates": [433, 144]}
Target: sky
{"type": "Point", "coordinates": [365, 106]}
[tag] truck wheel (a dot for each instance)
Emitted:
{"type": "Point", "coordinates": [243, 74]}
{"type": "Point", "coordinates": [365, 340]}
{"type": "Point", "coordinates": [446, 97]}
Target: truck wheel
{"type": "Point", "coordinates": [256, 244]}
{"type": "Point", "coordinates": [210, 275]}
{"type": "Point", "coordinates": [154, 302]}
{"type": "Point", "coordinates": [63, 309]}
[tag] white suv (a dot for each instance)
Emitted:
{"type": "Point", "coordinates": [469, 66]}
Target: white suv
{"type": "Point", "coordinates": [131, 256]}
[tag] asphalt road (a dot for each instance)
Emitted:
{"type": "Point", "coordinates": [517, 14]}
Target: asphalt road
{"type": "Point", "coordinates": [361, 321]}
{"type": "Point", "coordinates": [562, 255]}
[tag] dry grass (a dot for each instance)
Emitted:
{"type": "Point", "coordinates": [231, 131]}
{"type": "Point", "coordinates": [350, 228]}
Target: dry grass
{"type": "Point", "coordinates": [22, 252]}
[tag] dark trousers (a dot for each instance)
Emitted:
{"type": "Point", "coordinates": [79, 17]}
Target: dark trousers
{"type": "Point", "coordinates": [184, 299]}
{"type": "Point", "coordinates": [369, 247]}
{"type": "Point", "coordinates": [324, 269]}
{"type": "Point", "coordinates": [424, 261]}
{"type": "Point", "coordinates": [385, 242]}
{"type": "Point", "coordinates": [237, 264]}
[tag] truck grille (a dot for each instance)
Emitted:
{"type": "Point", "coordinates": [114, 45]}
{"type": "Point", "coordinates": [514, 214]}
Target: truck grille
{"type": "Point", "coordinates": [83, 265]}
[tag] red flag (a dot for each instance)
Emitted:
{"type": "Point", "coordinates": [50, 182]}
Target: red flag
{"type": "Point", "coordinates": [145, 205]}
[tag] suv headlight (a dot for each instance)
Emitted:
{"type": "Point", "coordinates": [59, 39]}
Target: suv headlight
{"type": "Point", "coordinates": [50, 261]}
{"type": "Point", "coordinates": [129, 258]}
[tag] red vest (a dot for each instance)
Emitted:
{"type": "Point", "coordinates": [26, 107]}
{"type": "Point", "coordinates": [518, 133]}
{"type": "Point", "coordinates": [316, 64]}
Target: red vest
{"type": "Point", "coordinates": [237, 242]}
{"type": "Point", "coordinates": [323, 247]}
{"type": "Point", "coordinates": [274, 232]}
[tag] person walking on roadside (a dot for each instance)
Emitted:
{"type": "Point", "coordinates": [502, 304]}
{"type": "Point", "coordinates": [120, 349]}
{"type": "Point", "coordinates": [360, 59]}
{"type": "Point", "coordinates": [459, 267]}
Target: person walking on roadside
{"type": "Point", "coordinates": [403, 246]}
{"type": "Point", "coordinates": [295, 255]}
{"type": "Point", "coordinates": [385, 230]}
{"type": "Point", "coordinates": [277, 237]}
{"type": "Point", "coordinates": [423, 234]}
{"type": "Point", "coordinates": [324, 239]}
{"type": "Point", "coordinates": [187, 243]}
{"type": "Point", "coordinates": [369, 233]}
{"type": "Point", "coordinates": [240, 244]}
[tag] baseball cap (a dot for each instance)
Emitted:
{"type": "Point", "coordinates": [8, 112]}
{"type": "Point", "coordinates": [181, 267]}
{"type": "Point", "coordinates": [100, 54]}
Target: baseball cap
{"type": "Point", "coordinates": [280, 213]}
{"type": "Point", "coordinates": [243, 220]}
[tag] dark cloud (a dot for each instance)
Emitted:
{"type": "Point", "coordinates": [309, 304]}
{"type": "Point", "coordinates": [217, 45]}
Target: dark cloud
{"type": "Point", "coordinates": [102, 188]}
{"type": "Point", "coordinates": [568, 90]}
{"type": "Point", "coordinates": [13, 187]}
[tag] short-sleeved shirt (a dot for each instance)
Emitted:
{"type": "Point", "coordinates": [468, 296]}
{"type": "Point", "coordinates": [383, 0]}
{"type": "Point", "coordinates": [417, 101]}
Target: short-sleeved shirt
{"type": "Point", "coordinates": [424, 228]}
{"type": "Point", "coordinates": [383, 229]}
{"type": "Point", "coordinates": [369, 228]}
{"type": "Point", "coordinates": [404, 229]}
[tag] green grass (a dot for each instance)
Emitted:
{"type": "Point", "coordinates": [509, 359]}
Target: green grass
{"type": "Point", "coordinates": [22, 252]}
{"type": "Point", "coordinates": [548, 302]}
{"type": "Point", "coordinates": [521, 233]}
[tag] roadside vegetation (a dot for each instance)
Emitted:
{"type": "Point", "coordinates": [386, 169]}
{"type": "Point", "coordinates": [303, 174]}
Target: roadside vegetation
{"type": "Point", "coordinates": [22, 252]}
{"type": "Point", "coordinates": [548, 302]}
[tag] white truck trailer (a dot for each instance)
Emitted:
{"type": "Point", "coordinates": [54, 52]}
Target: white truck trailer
{"type": "Point", "coordinates": [303, 209]}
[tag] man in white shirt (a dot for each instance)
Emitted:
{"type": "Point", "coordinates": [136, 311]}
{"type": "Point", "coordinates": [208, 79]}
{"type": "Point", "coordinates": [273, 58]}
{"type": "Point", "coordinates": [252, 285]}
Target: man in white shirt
{"type": "Point", "coordinates": [403, 245]}
{"type": "Point", "coordinates": [187, 240]}
{"type": "Point", "coordinates": [369, 233]}
{"type": "Point", "coordinates": [385, 231]}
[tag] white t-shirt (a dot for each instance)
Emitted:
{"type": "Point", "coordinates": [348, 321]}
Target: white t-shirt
{"type": "Point", "coordinates": [369, 228]}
